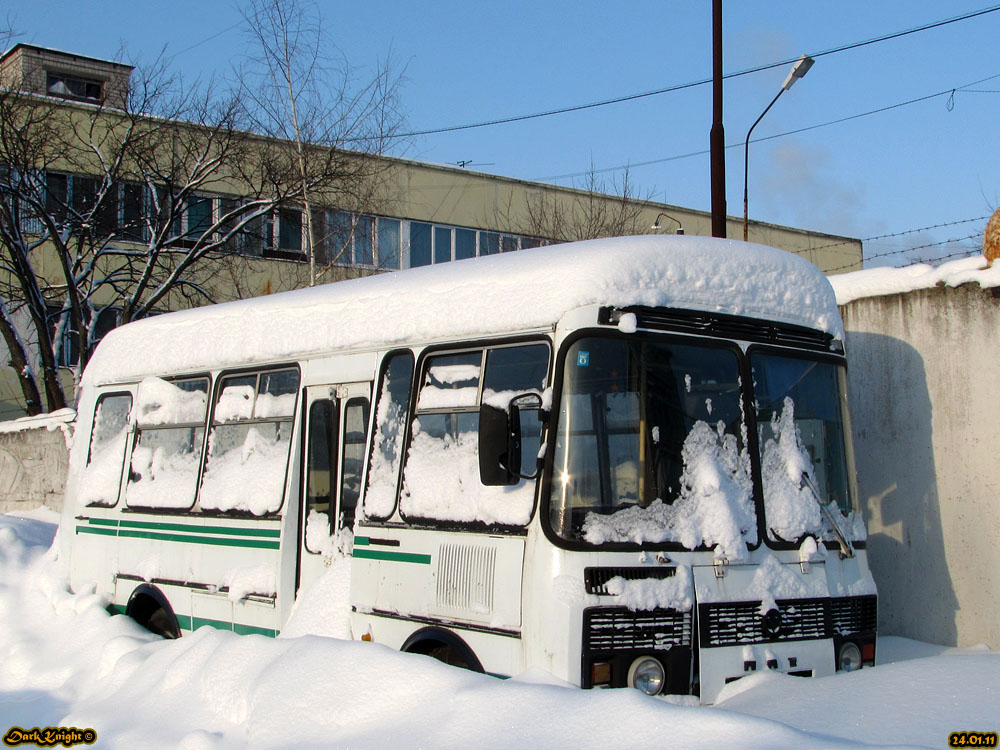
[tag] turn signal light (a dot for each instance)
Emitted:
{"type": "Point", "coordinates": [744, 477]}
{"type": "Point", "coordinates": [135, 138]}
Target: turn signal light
{"type": "Point", "coordinates": [600, 673]}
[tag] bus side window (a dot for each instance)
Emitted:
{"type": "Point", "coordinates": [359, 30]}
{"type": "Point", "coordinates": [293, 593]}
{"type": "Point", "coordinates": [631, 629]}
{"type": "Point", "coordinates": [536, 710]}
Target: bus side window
{"type": "Point", "coordinates": [102, 477]}
{"type": "Point", "coordinates": [355, 427]}
{"type": "Point", "coordinates": [390, 429]}
{"type": "Point", "coordinates": [167, 455]}
{"type": "Point", "coordinates": [248, 446]}
{"type": "Point", "coordinates": [321, 474]}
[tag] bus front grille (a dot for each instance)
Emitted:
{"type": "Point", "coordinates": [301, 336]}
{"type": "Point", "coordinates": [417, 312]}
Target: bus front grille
{"type": "Point", "coordinates": [854, 614]}
{"type": "Point", "coordinates": [609, 629]}
{"type": "Point", "coordinates": [596, 579]}
{"type": "Point", "coordinates": [739, 623]}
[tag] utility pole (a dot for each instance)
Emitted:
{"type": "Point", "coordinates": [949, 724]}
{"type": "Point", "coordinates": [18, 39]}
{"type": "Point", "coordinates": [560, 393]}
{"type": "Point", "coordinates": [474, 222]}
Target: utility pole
{"type": "Point", "coordinates": [718, 136]}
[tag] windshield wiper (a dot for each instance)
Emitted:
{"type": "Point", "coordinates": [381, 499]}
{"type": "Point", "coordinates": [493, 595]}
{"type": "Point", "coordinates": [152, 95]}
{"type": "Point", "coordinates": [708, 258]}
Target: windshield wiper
{"type": "Point", "coordinates": [845, 548]}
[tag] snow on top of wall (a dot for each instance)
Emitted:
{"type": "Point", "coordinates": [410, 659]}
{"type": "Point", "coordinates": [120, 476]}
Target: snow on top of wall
{"type": "Point", "coordinates": [877, 282]}
{"type": "Point", "coordinates": [479, 296]}
{"type": "Point", "coordinates": [61, 419]}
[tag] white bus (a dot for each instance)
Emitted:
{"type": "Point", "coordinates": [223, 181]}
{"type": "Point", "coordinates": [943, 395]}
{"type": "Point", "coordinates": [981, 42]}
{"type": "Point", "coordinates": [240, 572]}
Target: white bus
{"type": "Point", "coordinates": [626, 462]}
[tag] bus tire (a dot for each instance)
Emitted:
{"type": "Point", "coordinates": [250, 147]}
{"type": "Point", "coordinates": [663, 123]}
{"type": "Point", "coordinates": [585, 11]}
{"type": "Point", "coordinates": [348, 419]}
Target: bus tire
{"type": "Point", "coordinates": [444, 646]}
{"type": "Point", "coordinates": [149, 607]}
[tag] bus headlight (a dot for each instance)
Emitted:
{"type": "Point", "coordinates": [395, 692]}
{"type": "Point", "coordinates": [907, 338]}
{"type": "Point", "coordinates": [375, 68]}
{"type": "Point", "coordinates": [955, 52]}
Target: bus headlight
{"type": "Point", "coordinates": [647, 674]}
{"type": "Point", "coordinates": [849, 657]}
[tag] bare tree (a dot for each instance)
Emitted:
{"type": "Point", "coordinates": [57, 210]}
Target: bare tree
{"type": "Point", "coordinates": [295, 93]}
{"type": "Point", "coordinates": [597, 209]}
{"type": "Point", "coordinates": [109, 214]}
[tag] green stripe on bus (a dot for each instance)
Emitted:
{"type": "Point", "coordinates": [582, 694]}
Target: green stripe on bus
{"type": "Point", "coordinates": [409, 557]}
{"type": "Point", "coordinates": [360, 541]}
{"type": "Point", "coordinates": [200, 622]}
{"type": "Point", "coordinates": [193, 623]}
{"type": "Point", "coordinates": [230, 530]}
{"type": "Point", "coordinates": [219, 541]}
{"type": "Point", "coordinates": [116, 609]}
{"type": "Point", "coordinates": [102, 521]}
{"type": "Point", "coordinates": [241, 629]}
{"type": "Point", "coordinates": [88, 530]}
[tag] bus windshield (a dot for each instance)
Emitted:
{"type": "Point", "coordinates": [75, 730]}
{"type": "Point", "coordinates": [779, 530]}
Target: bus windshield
{"type": "Point", "coordinates": [650, 445]}
{"type": "Point", "coordinates": [805, 446]}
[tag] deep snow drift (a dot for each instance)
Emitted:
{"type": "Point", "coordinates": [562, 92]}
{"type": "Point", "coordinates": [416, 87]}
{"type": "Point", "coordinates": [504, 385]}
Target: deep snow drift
{"type": "Point", "coordinates": [65, 662]}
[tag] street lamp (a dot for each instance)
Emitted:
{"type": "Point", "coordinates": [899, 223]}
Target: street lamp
{"type": "Point", "coordinates": [656, 224]}
{"type": "Point", "coordinates": [800, 68]}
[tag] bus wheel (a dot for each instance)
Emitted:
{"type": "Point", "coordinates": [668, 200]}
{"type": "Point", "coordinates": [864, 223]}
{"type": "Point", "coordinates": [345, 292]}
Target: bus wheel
{"type": "Point", "coordinates": [444, 646]}
{"type": "Point", "coordinates": [449, 656]}
{"type": "Point", "coordinates": [148, 607]}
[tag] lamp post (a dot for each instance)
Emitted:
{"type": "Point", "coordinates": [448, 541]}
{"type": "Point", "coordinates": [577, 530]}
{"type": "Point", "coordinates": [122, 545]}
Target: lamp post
{"type": "Point", "coordinates": [800, 68]}
{"type": "Point", "coordinates": [656, 224]}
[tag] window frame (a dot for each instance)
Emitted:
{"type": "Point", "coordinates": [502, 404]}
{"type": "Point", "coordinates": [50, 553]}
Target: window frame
{"type": "Point", "coordinates": [122, 477]}
{"type": "Point", "coordinates": [212, 422]}
{"type": "Point", "coordinates": [137, 435]}
{"type": "Point", "coordinates": [548, 472]}
{"type": "Point", "coordinates": [416, 385]}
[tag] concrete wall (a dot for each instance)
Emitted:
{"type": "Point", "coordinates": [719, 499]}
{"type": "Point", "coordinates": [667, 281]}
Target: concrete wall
{"type": "Point", "coordinates": [34, 461]}
{"type": "Point", "coordinates": [926, 420]}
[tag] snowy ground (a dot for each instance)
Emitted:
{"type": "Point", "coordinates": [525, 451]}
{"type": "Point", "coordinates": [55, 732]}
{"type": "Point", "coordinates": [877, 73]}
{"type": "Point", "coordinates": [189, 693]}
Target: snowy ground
{"type": "Point", "coordinates": [65, 662]}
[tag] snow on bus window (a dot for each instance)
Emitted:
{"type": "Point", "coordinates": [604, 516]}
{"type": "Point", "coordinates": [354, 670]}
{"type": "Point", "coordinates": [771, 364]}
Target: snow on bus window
{"type": "Point", "coordinates": [249, 443]}
{"type": "Point", "coordinates": [102, 477]}
{"type": "Point", "coordinates": [171, 419]}
{"type": "Point", "coordinates": [649, 446]}
{"type": "Point", "coordinates": [441, 478]}
{"type": "Point", "coordinates": [163, 402]}
{"type": "Point", "coordinates": [805, 448]}
{"type": "Point", "coordinates": [390, 426]}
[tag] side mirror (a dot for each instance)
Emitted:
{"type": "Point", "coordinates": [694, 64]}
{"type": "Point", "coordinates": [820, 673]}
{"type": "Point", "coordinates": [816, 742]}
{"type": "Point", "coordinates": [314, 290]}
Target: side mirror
{"type": "Point", "coordinates": [500, 442]}
{"type": "Point", "coordinates": [499, 446]}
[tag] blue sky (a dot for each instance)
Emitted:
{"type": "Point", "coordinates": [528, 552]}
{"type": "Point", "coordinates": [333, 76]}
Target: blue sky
{"type": "Point", "coordinates": [916, 166]}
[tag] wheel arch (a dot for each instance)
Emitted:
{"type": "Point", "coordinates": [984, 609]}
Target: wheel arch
{"type": "Point", "coordinates": [429, 639]}
{"type": "Point", "coordinates": [144, 604]}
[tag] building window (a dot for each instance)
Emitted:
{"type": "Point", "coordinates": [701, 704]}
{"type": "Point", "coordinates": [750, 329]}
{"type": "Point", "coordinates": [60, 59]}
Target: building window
{"type": "Point", "coordinates": [465, 243]}
{"type": "Point", "coordinates": [420, 244]}
{"type": "Point", "coordinates": [74, 87]}
{"type": "Point", "coordinates": [290, 230]}
{"type": "Point", "coordinates": [388, 243]}
{"type": "Point", "coordinates": [66, 339]}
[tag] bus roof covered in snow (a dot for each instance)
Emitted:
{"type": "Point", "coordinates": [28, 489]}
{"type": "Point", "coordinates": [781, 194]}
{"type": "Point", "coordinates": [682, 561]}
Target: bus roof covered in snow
{"type": "Point", "coordinates": [523, 290]}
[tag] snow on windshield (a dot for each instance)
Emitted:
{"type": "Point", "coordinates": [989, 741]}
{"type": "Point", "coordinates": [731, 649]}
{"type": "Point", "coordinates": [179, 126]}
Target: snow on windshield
{"type": "Point", "coordinates": [791, 507]}
{"type": "Point", "coordinates": [715, 506]}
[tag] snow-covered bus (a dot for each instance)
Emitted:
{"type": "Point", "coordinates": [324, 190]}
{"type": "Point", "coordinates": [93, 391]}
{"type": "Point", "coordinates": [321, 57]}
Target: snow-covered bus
{"type": "Point", "coordinates": [626, 462]}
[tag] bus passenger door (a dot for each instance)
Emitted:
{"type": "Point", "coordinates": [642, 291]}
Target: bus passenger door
{"type": "Point", "coordinates": [336, 424]}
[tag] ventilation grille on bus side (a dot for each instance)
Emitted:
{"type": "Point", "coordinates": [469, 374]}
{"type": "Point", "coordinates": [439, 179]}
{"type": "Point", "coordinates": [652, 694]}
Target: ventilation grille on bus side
{"type": "Point", "coordinates": [465, 577]}
{"type": "Point", "coordinates": [619, 629]}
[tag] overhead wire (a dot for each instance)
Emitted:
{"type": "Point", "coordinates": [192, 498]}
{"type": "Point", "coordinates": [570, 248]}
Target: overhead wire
{"type": "Point", "coordinates": [700, 82]}
{"type": "Point", "coordinates": [702, 152]}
